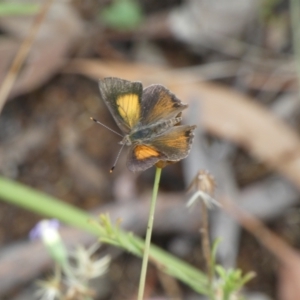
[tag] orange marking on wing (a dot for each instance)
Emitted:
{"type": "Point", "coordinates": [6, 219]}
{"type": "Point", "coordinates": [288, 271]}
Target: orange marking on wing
{"type": "Point", "coordinates": [163, 106]}
{"type": "Point", "coordinates": [175, 140]}
{"type": "Point", "coordinates": [142, 152]}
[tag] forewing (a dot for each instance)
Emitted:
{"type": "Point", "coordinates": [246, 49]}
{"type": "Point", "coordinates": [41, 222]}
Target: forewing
{"type": "Point", "coordinates": [123, 99]}
{"type": "Point", "coordinates": [159, 103]}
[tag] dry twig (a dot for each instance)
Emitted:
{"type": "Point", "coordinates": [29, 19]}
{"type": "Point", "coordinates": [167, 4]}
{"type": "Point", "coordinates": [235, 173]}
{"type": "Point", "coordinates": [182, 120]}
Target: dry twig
{"type": "Point", "coordinates": [12, 74]}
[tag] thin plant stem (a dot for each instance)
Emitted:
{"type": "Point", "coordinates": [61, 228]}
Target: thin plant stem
{"type": "Point", "coordinates": [205, 241]}
{"type": "Point", "coordinates": [295, 23]}
{"type": "Point", "coordinates": [148, 235]}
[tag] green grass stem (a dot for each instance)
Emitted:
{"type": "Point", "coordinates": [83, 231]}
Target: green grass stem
{"type": "Point", "coordinates": [18, 9]}
{"type": "Point", "coordinates": [295, 28]}
{"type": "Point", "coordinates": [43, 204]}
{"type": "Point", "coordinates": [149, 234]}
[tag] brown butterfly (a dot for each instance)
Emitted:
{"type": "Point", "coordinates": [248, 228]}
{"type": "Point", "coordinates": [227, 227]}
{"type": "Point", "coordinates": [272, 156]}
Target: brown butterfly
{"type": "Point", "coordinates": [149, 120]}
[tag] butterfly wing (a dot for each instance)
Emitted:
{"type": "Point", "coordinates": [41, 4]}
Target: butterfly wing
{"type": "Point", "coordinates": [173, 145]}
{"type": "Point", "coordinates": [123, 99]}
{"type": "Point", "coordinates": [158, 103]}
{"type": "Point", "coordinates": [141, 157]}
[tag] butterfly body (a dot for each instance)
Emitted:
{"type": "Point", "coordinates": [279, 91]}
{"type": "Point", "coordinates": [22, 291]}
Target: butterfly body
{"type": "Point", "coordinates": [147, 133]}
{"type": "Point", "coordinates": [149, 120]}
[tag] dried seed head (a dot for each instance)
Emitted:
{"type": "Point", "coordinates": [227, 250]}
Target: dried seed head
{"type": "Point", "coordinates": [205, 182]}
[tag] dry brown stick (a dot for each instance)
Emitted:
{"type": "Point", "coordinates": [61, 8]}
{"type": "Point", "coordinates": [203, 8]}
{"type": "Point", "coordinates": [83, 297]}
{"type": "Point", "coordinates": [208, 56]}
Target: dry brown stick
{"type": "Point", "coordinates": [25, 47]}
{"type": "Point", "coordinates": [205, 240]}
{"type": "Point", "coordinates": [205, 184]}
{"type": "Point", "coordinates": [277, 246]}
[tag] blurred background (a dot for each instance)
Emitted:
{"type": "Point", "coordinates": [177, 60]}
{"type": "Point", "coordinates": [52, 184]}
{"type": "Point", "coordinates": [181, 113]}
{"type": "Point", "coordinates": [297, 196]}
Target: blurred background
{"type": "Point", "coordinates": [235, 62]}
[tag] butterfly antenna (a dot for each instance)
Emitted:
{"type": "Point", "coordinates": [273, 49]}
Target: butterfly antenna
{"type": "Point", "coordinates": [96, 121]}
{"type": "Point", "coordinates": [117, 158]}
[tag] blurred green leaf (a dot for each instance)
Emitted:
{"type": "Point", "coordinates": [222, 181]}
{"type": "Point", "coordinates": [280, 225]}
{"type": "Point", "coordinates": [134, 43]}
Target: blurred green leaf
{"type": "Point", "coordinates": [43, 204]}
{"type": "Point", "coordinates": [46, 205]}
{"type": "Point", "coordinates": [15, 9]}
{"type": "Point", "coordinates": [122, 15]}
{"type": "Point", "coordinates": [231, 281]}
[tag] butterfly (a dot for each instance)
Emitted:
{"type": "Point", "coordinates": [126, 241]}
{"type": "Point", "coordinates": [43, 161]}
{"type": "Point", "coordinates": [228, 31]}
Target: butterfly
{"type": "Point", "coordinates": [149, 120]}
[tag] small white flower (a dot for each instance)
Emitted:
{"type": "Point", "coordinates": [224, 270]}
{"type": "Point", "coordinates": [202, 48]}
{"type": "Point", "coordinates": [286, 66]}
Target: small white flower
{"type": "Point", "coordinates": [49, 289]}
{"type": "Point", "coordinates": [85, 266]}
{"type": "Point", "coordinates": [47, 231]}
{"type": "Point", "coordinates": [204, 183]}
